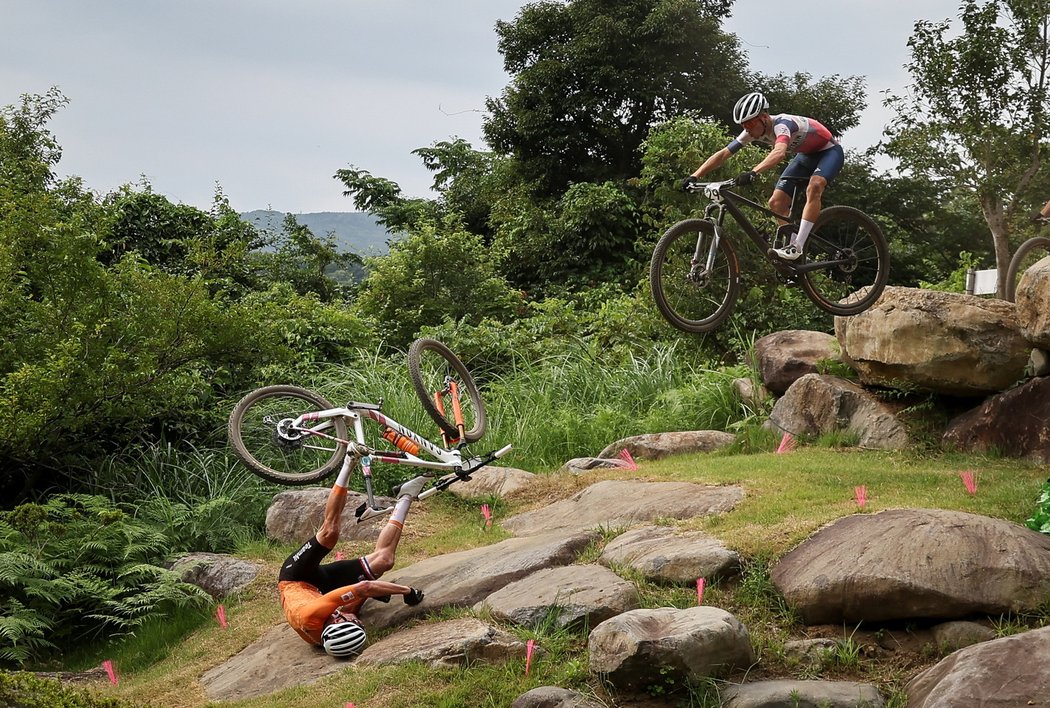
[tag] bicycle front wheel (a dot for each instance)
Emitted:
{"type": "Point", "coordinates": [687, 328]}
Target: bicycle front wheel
{"type": "Point", "coordinates": [691, 296]}
{"type": "Point", "coordinates": [1027, 254]}
{"type": "Point", "coordinates": [857, 260]}
{"type": "Point", "coordinates": [261, 435]}
{"type": "Point", "coordinates": [433, 369]}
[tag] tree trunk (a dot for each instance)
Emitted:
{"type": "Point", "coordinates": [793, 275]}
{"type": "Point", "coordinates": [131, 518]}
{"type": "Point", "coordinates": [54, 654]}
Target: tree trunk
{"type": "Point", "coordinates": [995, 216]}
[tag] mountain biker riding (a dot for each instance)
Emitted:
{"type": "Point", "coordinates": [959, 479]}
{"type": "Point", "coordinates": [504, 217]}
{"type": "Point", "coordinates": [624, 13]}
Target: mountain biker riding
{"type": "Point", "coordinates": [818, 156]}
{"type": "Point", "coordinates": [322, 602]}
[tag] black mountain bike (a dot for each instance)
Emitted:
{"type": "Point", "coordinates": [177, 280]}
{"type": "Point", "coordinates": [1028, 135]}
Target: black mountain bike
{"type": "Point", "coordinates": [695, 275]}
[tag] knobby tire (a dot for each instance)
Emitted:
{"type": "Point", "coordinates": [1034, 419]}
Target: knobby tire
{"type": "Point", "coordinates": [690, 301]}
{"type": "Point", "coordinates": [842, 232]}
{"type": "Point", "coordinates": [1018, 259]}
{"type": "Point", "coordinates": [256, 443]}
{"type": "Point", "coordinates": [426, 382]}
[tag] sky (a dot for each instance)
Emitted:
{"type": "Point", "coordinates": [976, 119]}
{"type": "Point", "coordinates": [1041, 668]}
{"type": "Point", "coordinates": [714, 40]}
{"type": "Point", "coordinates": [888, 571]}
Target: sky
{"type": "Point", "coordinates": [266, 99]}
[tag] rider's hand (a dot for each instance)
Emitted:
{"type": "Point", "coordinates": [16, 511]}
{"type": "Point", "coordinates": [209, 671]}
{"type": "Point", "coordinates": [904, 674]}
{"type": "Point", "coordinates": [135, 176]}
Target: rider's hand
{"type": "Point", "coordinates": [414, 597]}
{"type": "Point", "coordinates": [746, 178]}
{"type": "Point", "coordinates": [689, 182]}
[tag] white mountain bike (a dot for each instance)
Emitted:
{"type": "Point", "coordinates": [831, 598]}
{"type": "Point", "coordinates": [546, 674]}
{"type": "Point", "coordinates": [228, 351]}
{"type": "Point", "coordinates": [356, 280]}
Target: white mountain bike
{"type": "Point", "coordinates": [293, 436]}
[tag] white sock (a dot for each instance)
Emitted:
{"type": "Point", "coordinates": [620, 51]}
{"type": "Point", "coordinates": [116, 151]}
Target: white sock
{"type": "Point", "coordinates": [804, 227]}
{"type": "Point", "coordinates": [401, 509]}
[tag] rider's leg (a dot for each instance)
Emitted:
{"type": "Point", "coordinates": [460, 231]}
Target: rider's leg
{"type": "Point", "coordinates": [328, 535]}
{"type": "Point", "coordinates": [382, 558]}
{"type": "Point", "coordinates": [780, 201]}
{"type": "Point", "coordinates": [814, 195]}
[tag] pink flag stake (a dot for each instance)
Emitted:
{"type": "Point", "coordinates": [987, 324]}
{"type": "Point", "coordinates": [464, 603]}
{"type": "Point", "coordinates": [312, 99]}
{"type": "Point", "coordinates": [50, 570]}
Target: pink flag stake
{"type": "Point", "coordinates": [349, 704]}
{"type": "Point", "coordinates": [700, 591]}
{"type": "Point", "coordinates": [628, 459]}
{"type": "Point", "coordinates": [108, 666]}
{"type": "Point", "coordinates": [861, 495]}
{"type": "Point", "coordinates": [969, 481]}
{"type": "Point", "coordinates": [339, 556]}
{"type": "Point", "coordinates": [220, 612]}
{"type": "Point", "coordinates": [787, 444]}
{"type": "Point", "coordinates": [486, 511]}
{"type": "Point", "coordinates": [530, 646]}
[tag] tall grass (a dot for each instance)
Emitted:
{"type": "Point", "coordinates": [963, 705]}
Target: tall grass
{"type": "Point", "coordinates": [572, 404]}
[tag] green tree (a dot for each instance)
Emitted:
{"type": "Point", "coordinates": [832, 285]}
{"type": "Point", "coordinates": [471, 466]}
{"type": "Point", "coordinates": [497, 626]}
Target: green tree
{"type": "Point", "coordinates": [977, 112]}
{"type": "Point", "coordinates": [591, 77]}
{"type": "Point", "coordinates": [835, 101]}
{"type": "Point", "coordinates": [438, 272]}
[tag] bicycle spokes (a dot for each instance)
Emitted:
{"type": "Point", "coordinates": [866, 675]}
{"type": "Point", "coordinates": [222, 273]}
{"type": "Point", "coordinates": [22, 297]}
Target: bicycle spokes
{"type": "Point", "coordinates": [854, 260]}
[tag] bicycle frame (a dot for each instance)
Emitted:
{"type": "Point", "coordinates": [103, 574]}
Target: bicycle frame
{"type": "Point", "coordinates": [448, 460]}
{"type": "Point", "coordinates": [722, 201]}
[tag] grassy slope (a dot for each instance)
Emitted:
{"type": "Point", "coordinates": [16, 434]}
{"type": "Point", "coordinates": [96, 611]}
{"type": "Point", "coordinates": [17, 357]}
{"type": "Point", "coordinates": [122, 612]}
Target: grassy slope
{"type": "Point", "coordinates": [788, 498]}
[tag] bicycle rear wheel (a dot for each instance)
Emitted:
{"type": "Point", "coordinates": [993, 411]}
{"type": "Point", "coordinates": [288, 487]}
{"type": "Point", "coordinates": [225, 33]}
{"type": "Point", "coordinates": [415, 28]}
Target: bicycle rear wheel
{"type": "Point", "coordinates": [433, 369]}
{"type": "Point", "coordinates": [690, 296]}
{"type": "Point", "coordinates": [261, 436]}
{"type": "Point", "coordinates": [1032, 250]}
{"type": "Point", "coordinates": [857, 257]}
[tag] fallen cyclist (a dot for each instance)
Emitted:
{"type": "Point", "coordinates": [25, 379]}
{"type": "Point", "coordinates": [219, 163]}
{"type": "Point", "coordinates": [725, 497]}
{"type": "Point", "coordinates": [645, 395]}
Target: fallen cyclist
{"type": "Point", "coordinates": [322, 601]}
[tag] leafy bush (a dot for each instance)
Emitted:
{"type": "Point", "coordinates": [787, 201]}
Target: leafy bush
{"type": "Point", "coordinates": [79, 569]}
{"type": "Point", "coordinates": [22, 690]}
{"type": "Point", "coordinates": [1040, 520]}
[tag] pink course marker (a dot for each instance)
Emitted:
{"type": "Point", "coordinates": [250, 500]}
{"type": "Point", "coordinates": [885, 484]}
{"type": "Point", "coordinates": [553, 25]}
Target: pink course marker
{"type": "Point", "coordinates": [969, 479]}
{"type": "Point", "coordinates": [787, 444]}
{"type": "Point", "coordinates": [486, 511]}
{"type": "Point", "coordinates": [530, 646]}
{"type": "Point", "coordinates": [628, 459]}
{"type": "Point", "coordinates": [339, 556]}
{"type": "Point", "coordinates": [861, 495]}
{"type": "Point", "coordinates": [220, 612]}
{"type": "Point", "coordinates": [700, 582]}
{"type": "Point", "coordinates": [108, 666]}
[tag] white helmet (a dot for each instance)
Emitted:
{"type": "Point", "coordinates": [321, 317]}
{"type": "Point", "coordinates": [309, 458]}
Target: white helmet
{"type": "Point", "coordinates": [344, 639]}
{"type": "Point", "coordinates": [749, 106]}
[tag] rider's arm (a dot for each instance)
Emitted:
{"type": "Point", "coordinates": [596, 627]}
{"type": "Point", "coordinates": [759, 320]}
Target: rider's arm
{"type": "Point", "coordinates": [778, 153]}
{"type": "Point", "coordinates": [714, 162]}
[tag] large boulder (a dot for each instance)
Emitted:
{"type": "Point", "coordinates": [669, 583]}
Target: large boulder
{"type": "Point", "coordinates": [817, 404]}
{"type": "Point", "coordinates": [296, 514]}
{"type": "Point", "coordinates": [555, 697]}
{"type": "Point", "coordinates": [960, 345]}
{"type": "Point", "coordinates": [279, 659]}
{"type": "Point", "coordinates": [1002, 673]}
{"type": "Point", "coordinates": [785, 692]}
{"type": "Point", "coordinates": [666, 555]}
{"type": "Point", "coordinates": [569, 596]}
{"type": "Point", "coordinates": [218, 574]}
{"type": "Point", "coordinates": [490, 481]}
{"type": "Point", "coordinates": [1014, 423]}
{"type": "Point", "coordinates": [467, 577]}
{"type": "Point", "coordinates": [461, 642]}
{"type": "Point", "coordinates": [613, 503]}
{"type": "Point", "coordinates": [641, 648]}
{"type": "Point", "coordinates": [1031, 298]}
{"type": "Point", "coordinates": [913, 564]}
{"type": "Point", "coordinates": [784, 357]}
{"type": "Point", "coordinates": [653, 446]}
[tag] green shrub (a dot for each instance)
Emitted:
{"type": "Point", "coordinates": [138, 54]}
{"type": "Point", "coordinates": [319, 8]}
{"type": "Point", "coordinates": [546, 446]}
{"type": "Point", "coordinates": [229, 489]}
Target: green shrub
{"type": "Point", "coordinates": [79, 569]}
{"type": "Point", "coordinates": [23, 690]}
{"type": "Point", "coordinates": [1040, 520]}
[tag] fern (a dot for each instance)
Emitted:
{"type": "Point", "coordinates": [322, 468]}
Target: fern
{"type": "Point", "coordinates": [80, 568]}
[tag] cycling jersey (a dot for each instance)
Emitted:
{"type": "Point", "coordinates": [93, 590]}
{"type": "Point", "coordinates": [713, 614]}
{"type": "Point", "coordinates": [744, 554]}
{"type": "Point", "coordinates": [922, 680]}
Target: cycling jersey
{"type": "Point", "coordinates": [802, 135]}
{"type": "Point", "coordinates": [307, 610]}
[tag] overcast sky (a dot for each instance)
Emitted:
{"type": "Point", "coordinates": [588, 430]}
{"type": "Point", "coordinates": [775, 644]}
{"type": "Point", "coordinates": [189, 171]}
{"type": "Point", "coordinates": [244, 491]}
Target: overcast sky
{"type": "Point", "coordinates": [268, 98]}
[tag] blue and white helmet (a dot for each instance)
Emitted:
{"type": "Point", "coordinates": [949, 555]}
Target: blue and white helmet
{"type": "Point", "coordinates": [344, 639]}
{"type": "Point", "coordinates": [749, 106]}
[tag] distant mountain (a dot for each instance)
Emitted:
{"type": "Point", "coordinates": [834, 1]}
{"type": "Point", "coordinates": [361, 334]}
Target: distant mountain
{"type": "Point", "coordinates": [354, 231]}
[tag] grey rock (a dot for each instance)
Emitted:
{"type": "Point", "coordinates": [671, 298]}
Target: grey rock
{"type": "Point", "coordinates": [801, 694]}
{"type": "Point", "coordinates": [956, 635]}
{"type": "Point", "coordinates": [786, 356]}
{"type": "Point", "coordinates": [218, 574]}
{"type": "Point", "coordinates": [1014, 423]}
{"type": "Point", "coordinates": [644, 647]}
{"type": "Point", "coordinates": [914, 563]}
{"type": "Point", "coordinates": [492, 481]}
{"type": "Point", "coordinates": [654, 446]}
{"type": "Point", "coordinates": [296, 514]}
{"type": "Point", "coordinates": [666, 555]}
{"type": "Point", "coordinates": [554, 697]}
{"type": "Point", "coordinates": [612, 503]}
{"type": "Point", "coordinates": [1031, 297]}
{"type": "Point", "coordinates": [460, 642]}
{"type": "Point", "coordinates": [570, 596]}
{"type": "Point", "coordinates": [1001, 673]}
